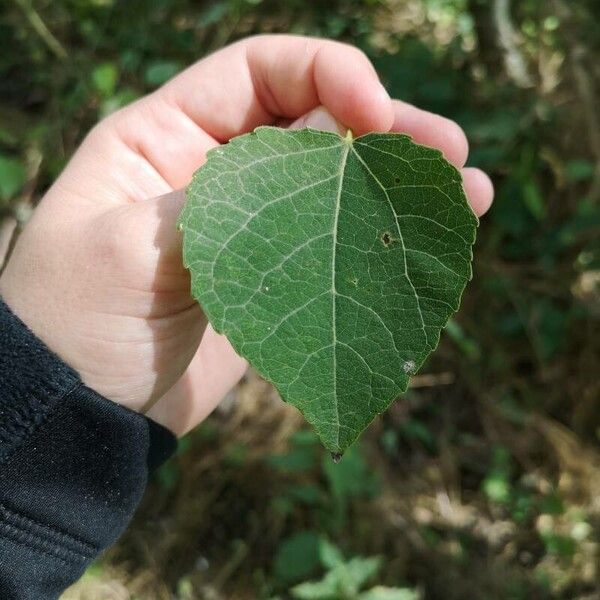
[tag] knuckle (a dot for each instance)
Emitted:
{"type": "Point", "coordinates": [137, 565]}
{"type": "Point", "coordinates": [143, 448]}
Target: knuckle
{"type": "Point", "coordinates": [353, 51]}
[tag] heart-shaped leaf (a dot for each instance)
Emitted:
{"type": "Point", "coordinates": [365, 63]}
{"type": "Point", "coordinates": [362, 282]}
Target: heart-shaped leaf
{"type": "Point", "coordinates": [330, 263]}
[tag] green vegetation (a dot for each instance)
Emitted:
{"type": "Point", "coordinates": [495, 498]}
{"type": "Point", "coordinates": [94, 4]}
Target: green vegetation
{"type": "Point", "coordinates": [483, 483]}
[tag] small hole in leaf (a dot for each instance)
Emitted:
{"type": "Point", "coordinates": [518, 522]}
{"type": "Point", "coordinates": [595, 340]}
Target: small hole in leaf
{"type": "Point", "coordinates": [396, 180]}
{"type": "Point", "coordinates": [386, 238]}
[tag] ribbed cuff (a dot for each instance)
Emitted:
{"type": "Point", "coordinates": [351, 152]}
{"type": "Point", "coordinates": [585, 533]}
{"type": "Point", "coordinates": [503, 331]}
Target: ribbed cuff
{"type": "Point", "coordinates": [73, 467]}
{"type": "Point", "coordinates": [33, 380]}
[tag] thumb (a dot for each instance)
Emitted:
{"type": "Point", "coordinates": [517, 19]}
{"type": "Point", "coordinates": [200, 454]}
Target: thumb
{"type": "Point", "coordinates": [149, 227]}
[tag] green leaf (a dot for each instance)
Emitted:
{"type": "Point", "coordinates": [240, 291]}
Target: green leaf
{"type": "Point", "coordinates": [496, 485]}
{"type": "Point", "coordinates": [159, 72]}
{"type": "Point", "coordinates": [579, 170]}
{"type": "Point", "coordinates": [360, 571]}
{"type": "Point", "coordinates": [497, 488]}
{"type": "Point", "coordinates": [213, 13]}
{"type": "Point", "coordinates": [386, 593]}
{"type": "Point", "coordinates": [331, 264]}
{"type": "Point", "coordinates": [352, 477]}
{"type": "Point", "coordinates": [297, 557]}
{"type": "Point", "coordinates": [534, 200]}
{"type": "Point", "coordinates": [342, 581]}
{"type": "Point", "coordinates": [12, 177]}
{"type": "Point", "coordinates": [325, 589]}
{"type": "Point", "coordinates": [302, 455]}
{"type": "Point", "coordinates": [329, 554]}
{"type": "Point", "coordinates": [104, 78]}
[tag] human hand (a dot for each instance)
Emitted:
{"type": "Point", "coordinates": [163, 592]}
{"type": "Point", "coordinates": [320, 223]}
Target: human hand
{"type": "Point", "coordinates": [97, 273]}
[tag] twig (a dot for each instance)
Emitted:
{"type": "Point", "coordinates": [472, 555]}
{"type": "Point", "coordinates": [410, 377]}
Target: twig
{"type": "Point", "coordinates": [432, 379]}
{"type": "Point", "coordinates": [516, 66]}
{"type": "Point", "coordinates": [41, 29]}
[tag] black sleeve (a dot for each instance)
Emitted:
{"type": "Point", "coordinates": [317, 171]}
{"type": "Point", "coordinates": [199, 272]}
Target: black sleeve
{"type": "Point", "coordinates": [73, 467]}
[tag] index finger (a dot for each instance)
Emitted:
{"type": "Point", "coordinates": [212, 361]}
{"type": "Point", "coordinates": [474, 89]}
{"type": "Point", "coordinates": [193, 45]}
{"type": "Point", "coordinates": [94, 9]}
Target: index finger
{"type": "Point", "coordinates": [261, 79]}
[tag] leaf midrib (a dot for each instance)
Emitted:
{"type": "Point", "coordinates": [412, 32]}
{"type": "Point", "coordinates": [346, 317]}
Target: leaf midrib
{"type": "Point", "coordinates": [347, 145]}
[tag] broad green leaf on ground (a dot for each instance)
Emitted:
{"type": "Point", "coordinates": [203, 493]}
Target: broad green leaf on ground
{"type": "Point", "coordinates": [297, 557]}
{"type": "Point", "coordinates": [344, 580]}
{"type": "Point", "coordinates": [386, 593]}
{"type": "Point", "coordinates": [331, 264]}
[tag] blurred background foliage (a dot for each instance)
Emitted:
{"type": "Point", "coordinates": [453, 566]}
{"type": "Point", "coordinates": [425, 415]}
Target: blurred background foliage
{"type": "Point", "coordinates": [483, 482]}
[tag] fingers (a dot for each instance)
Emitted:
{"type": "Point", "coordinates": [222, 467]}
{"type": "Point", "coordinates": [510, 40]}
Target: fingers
{"type": "Point", "coordinates": [107, 171]}
{"type": "Point", "coordinates": [432, 130]}
{"type": "Point", "coordinates": [254, 82]}
{"type": "Point", "coordinates": [164, 137]}
{"type": "Point", "coordinates": [479, 190]}
{"type": "Point", "coordinates": [260, 79]}
{"type": "Point", "coordinates": [428, 129]}
{"type": "Point", "coordinates": [436, 131]}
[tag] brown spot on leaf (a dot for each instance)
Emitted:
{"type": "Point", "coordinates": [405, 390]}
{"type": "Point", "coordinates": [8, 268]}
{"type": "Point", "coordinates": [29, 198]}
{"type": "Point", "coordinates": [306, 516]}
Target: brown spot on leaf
{"type": "Point", "coordinates": [386, 239]}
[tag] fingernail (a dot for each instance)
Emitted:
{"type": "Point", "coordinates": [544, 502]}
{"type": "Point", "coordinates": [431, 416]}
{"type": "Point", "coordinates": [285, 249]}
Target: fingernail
{"type": "Point", "coordinates": [321, 118]}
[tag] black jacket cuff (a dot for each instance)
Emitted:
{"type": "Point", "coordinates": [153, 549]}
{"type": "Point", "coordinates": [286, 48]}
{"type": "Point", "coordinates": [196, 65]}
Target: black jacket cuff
{"type": "Point", "coordinates": [73, 467]}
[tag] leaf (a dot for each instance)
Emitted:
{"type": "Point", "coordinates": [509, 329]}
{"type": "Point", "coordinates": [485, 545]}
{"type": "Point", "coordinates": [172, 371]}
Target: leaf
{"type": "Point", "coordinates": [213, 13]}
{"type": "Point", "coordinates": [301, 456]}
{"type": "Point", "coordinates": [329, 554]}
{"type": "Point", "coordinates": [331, 264]}
{"type": "Point", "coordinates": [12, 177]}
{"type": "Point", "coordinates": [104, 78]}
{"type": "Point", "coordinates": [385, 593]}
{"type": "Point", "coordinates": [360, 571]}
{"type": "Point", "coordinates": [579, 170]}
{"type": "Point", "coordinates": [159, 72]}
{"type": "Point", "coordinates": [352, 477]}
{"type": "Point", "coordinates": [325, 589]}
{"type": "Point", "coordinates": [297, 557]}
{"type": "Point", "coordinates": [343, 581]}
{"type": "Point", "coordinates": [534, 200]}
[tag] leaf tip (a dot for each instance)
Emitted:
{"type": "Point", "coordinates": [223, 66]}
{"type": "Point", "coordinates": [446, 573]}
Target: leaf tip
{"type": "Point", "coordinates": [336, 457]}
